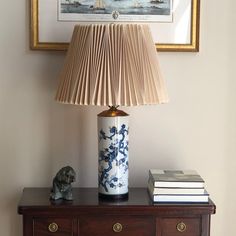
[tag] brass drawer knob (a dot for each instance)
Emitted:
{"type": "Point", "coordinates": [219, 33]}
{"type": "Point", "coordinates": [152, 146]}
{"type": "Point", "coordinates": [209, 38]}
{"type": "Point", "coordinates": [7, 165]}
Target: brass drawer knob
{"type": "Point", "coordinates": [53, 227]}
{"type": "Point", "coordinates": [181, 227]}
{"type": "Point", "coordinates": [117, 227]}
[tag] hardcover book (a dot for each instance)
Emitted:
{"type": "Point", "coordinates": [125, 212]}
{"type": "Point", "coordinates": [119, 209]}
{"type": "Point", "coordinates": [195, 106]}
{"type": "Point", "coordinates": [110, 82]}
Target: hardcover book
{"type": "Point", "coordinates": [169, 191]}
{"type": "Point", "coordinates": [181, 198]}
{"type": "Point", "coordinates": [176, 178]}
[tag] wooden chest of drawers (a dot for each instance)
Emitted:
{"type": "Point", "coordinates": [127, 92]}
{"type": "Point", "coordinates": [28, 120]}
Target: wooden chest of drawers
{"type": "Point", "coordinates": [89, 216]}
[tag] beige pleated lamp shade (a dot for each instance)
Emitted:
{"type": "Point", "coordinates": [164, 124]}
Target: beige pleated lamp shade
{"type": "Point", "coordinates": [110, 65]}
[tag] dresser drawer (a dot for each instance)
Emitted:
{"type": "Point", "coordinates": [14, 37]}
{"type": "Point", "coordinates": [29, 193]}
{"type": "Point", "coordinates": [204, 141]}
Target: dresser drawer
{"type": "Point", "coordinates": [180, 227]}
{"type": "Point", "coordinates": [122, 226]}
{"type": "Point", "coordinates": [54, 227]}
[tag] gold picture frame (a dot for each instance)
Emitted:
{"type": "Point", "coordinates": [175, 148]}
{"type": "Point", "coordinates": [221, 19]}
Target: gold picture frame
{"type": "Point", "coordinates": [192, 46]}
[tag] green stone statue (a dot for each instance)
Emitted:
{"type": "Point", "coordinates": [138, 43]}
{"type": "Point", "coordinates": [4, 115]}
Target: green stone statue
{"type": "Point", "coordinates": [62, 188]}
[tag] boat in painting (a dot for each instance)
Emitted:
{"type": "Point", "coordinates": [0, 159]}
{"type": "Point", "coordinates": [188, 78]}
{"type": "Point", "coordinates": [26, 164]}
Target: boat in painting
{"type": "Point", "coordinates": [156, 1]}
{"type": "Point", "coordinates": [99, 5]}
{"type": "Point", "coordinates": [137, 4]}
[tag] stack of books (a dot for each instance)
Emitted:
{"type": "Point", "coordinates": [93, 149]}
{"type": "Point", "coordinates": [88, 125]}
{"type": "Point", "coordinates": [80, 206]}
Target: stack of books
{"type": "Point", "coordinates": [176, 186]}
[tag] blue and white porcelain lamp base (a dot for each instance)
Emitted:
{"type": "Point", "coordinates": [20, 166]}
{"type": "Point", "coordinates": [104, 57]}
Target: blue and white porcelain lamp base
{"type": "Point", "coordinates": [113, 166]}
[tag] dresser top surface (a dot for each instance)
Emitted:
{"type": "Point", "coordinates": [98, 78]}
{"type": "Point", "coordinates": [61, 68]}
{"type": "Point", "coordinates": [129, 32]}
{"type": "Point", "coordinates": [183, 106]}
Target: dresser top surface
{"type": "Point", "coordinates": [39, 198]}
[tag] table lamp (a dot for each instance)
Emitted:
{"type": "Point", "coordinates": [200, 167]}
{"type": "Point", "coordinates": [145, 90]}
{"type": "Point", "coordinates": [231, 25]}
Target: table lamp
{"type": "Point", "coordinates": [112, 65]}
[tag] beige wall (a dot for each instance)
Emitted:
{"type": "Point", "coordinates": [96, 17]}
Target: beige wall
{"type": "Point", "coordinates": [196, 130]}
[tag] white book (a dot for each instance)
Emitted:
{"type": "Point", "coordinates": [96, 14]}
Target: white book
{"type": "Point", "coordinates": [169, 191]}
{"type": "Point", "coordinates": [181, 198]}
{"type": "Point", "coordinates": [176, 178]}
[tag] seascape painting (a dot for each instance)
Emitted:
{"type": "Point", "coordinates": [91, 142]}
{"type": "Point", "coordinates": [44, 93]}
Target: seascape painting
{"type": "Point", "coordinates": [115, 10]}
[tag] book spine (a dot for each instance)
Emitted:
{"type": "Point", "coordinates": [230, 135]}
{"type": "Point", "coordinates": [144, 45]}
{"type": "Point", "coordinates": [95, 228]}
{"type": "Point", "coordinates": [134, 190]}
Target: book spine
{"type": "Point", "coordinates": [176, 184]}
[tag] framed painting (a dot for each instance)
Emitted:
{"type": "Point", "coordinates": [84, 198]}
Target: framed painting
{"type": "Point", "coordinates": [174, 23]}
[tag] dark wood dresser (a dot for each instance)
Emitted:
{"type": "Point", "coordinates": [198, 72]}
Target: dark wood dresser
{"type": "Point", "coordinates": [89, 216]}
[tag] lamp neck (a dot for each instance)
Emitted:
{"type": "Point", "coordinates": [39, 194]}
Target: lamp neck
{"type": "Point", "coordinates": [112, 112]}
{"type": "Point", "coordinates": [113, 108]}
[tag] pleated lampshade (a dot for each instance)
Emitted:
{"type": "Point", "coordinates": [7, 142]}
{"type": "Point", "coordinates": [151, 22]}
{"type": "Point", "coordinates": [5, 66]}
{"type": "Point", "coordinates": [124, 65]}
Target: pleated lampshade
{"type": "Point", "coordinates": [111, 65]}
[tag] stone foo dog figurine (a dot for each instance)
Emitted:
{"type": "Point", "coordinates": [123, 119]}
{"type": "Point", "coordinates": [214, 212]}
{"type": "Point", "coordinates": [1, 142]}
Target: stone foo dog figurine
{"type": "Point", "coordinates": [62, 188]}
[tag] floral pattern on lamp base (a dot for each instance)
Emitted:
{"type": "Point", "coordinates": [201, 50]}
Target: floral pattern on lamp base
{"type": "Point", "coordinates": [113, 163]}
